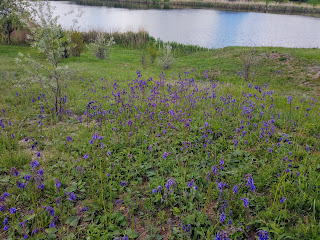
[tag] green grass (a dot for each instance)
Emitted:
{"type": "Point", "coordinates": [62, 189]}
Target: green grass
{"type": "Point", "coordinates": [213, 114]}
{"type": "Point", "coordinates": [125, 62]}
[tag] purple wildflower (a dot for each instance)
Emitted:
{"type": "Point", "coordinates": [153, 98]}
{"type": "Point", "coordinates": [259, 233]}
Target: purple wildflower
{"type": "Point", "coordinates": [245, 202]}
{"type": "Point", "coordinates": [34, 164]}
{"type": "Point", "coordinates": [222, 217]}
{"type": "Point", "coordinates": [52, 224]}
{"type": "Point", "coordinates": [165, 155]}
{"type": "Point", "coordinates": [15, 172]}
{"type": "Point", "coordinates": [6, 224]}
{"type": "Point", "coordinates": [190, 184]}
{"type": "Point", "coordinates": [214, 170]}
{"type": "Point", "coordinates": [235, 189]}
{"type": "Point", "coordinates": [35, 231]}
{"type": "Point", "coordinates": [20, 184]}
{"type": "Point", "coordinates": [40, 172]}
{"type": "Point", "coordinates": [49, 210]}
{"type": "Point", "coordinates": [72, 196]}
{"type": "Point", "coordinates": [57, 183]}
{"type": "Point", "coordinates": [27, 177]}
{"type": "Point", "coordinates": [84, 209]}
{"type": "Point", "coordinates": [263, 235]}
{"type": "Point", "coordinates": [13, 210]}
{"type": "Point", "coordinates": [250, 183]}
{"type": "Point", "coordinates": [283, 199]}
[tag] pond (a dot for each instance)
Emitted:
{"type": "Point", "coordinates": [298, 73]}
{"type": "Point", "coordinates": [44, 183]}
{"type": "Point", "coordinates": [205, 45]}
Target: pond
{"type": "Point", "coordinates": [203, 27]}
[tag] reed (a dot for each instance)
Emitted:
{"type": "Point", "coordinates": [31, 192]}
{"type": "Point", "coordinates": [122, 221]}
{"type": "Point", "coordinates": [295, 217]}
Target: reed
{"type": "Point", "coordinates": [128, 39]}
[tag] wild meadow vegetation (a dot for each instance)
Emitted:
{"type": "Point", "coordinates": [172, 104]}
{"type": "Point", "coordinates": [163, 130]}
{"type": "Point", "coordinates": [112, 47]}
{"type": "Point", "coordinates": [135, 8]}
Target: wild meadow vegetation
{"type": "Point", "coordinates": [137, 152]}
{"type": "Point", "coordinates": [120, 136]}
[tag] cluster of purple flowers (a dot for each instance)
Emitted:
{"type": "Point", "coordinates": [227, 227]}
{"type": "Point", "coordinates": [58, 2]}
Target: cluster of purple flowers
{"type": "Point", "coordinates": [192, 185]}
{"type": "Point", "coordinates": [72, 196]}
{"type": "Point", "coordinates": [250, 183]}
{"type": "Point", "coordinates": [263, 235]}
{"type": "Point", "coordinates": [158, 189]}
{"type": "Point", "coordinates": [95, 137]}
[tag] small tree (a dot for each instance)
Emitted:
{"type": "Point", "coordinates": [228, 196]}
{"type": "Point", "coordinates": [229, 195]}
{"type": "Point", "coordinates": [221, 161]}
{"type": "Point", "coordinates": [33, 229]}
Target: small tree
{"type": "Point", "coordinates": [101, 48]}
{"type": "Point", "coordinates": [12, 13]}
{"type": "Point", "coordinates": [165, 57]}
{"type": "Point", "coordinates": [50, 39]}
{"type": "Point", "coordinates": [250, 63]}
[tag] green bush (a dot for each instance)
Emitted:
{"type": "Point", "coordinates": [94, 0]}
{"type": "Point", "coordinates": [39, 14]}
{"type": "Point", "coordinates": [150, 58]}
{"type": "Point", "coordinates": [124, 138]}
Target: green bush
{"type": "Point", "coordinates": [152, 50]}
{"type": "Point", "coordinates": [79, 45]}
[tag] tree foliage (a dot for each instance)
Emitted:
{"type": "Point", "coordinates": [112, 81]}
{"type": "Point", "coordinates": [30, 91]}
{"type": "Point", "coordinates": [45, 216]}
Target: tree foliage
{"type": "Point", "coordinates": [49, 38]}
{"type": "Point", "coordinates": [13, 15]}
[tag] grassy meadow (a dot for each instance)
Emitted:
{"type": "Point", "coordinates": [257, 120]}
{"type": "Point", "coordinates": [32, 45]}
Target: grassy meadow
{"type": "Point", "coordinates": [138, 152]}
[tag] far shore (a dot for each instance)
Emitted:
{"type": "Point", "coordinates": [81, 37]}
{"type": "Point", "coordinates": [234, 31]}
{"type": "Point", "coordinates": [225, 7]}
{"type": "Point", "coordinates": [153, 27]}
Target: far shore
{"type": "Point", "coordinates": [242, 5]}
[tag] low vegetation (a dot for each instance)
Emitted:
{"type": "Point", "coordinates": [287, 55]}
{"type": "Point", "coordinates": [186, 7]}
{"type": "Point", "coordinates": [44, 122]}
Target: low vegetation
{"type": "Point", "coordinates": [196, 151]}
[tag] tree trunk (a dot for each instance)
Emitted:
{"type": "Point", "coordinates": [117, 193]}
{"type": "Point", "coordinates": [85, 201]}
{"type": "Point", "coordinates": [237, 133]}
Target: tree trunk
{"type": "Point", "coordinates": [9, 31]}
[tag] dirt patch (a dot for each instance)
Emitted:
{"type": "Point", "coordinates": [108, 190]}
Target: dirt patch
{"type": "Point", "coordinates": [279, 57]}
{"type": "Point", "coordinates": [211, 211]}
{"type": "Point", "coordinates": [313, 72]}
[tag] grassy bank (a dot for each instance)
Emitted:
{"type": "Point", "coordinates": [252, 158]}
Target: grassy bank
{"type": "Point", "coordinates": [193, 152]}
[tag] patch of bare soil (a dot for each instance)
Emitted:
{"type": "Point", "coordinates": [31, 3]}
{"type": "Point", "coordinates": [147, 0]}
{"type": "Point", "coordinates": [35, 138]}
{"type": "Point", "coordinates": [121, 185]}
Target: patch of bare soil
{"type": "Point", "coordinates": [314, 72]}
{"type": "Point", "coordinates": [211, 212]}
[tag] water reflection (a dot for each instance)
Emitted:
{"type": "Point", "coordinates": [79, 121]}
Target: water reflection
{"type": "Point", "coordinates": [205, 27]}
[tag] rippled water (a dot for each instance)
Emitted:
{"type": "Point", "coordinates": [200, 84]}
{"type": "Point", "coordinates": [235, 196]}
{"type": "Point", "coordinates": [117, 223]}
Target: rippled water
{"type": "Point", "coordinates": [204, 27]}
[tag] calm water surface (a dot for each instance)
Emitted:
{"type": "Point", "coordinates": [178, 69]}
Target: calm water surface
{"type": "Point", "coordinates": [204, 27]}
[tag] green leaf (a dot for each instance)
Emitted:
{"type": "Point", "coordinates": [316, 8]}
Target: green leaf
{"type": "Point", "coordinates": [129, 233]}
{"type": "Point", "coordinates": [73, 221]}
{"type": "Point", "coordinates": [5, 179]}
{"type": "Point", "coordinates": [176, 212]}
{"type": "Point", "coordinates": [51, 230]}
{"type": "Point", "coordinates": [29, 217]}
